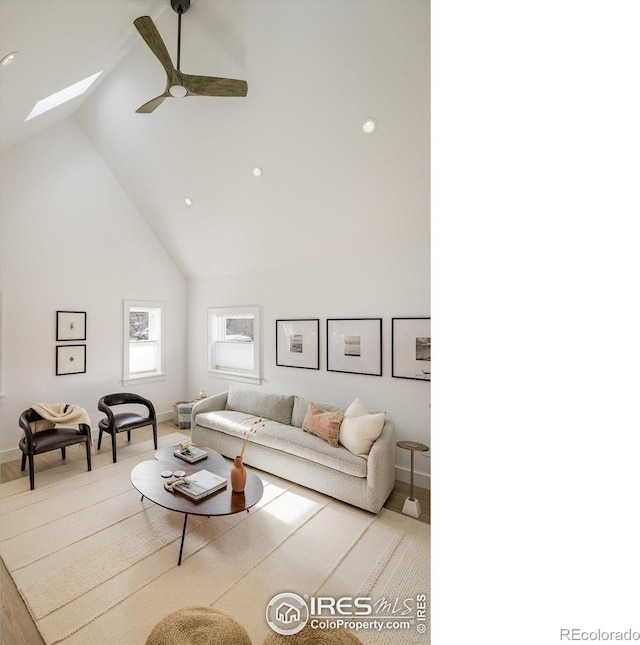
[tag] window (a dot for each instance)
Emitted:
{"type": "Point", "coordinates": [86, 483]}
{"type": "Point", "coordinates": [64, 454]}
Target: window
{"type": "Point", "coordinates": [143, 341]}
{"type": "Point", "coordinates": [234, 343]}
{"type": "Point", "coordinates": [68, 93]}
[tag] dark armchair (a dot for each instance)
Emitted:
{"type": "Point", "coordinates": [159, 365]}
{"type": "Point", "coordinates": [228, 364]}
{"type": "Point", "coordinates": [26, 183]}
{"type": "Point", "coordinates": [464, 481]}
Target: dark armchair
{"type": "Point", "coordinates": [59, 437]}
{"type": "Point", "coordinates": [125, 421]}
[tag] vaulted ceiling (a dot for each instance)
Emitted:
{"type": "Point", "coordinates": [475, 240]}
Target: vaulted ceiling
{"type": "Point", "coordinates": [316, 69]}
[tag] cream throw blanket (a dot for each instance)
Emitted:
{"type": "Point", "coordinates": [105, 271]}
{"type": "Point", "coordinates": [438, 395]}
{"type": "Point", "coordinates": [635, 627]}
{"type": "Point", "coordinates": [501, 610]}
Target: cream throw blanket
{"type": "Point", "coordinates": [61, 413]}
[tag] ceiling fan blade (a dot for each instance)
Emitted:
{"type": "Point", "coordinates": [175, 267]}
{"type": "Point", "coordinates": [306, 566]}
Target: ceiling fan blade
{"type": "Point", "coordinates": [152, 37]}
{"type": "Point", "coordinates": [151, 105]}
{"type": "Point", "coordinates": [212, 86]}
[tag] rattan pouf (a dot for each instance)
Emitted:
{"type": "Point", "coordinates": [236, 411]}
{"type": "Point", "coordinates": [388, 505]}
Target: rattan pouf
{"type": "Point", "coordinates": [310, 636]}
{"type": "Point", "coordinates": [198, 626]}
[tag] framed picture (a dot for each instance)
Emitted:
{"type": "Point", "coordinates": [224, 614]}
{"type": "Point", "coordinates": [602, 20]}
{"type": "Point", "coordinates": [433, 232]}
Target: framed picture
{"type": "Point", "coordinates": [297, 343]}
{"type": "Point", "coordinates": [71, 359]}
{"type": "Point", "coordinates": [354, 345]}
{"type": "Point", "coordinates": [411, 348]}
{"type": "Point", "coordinates": [71, 325]}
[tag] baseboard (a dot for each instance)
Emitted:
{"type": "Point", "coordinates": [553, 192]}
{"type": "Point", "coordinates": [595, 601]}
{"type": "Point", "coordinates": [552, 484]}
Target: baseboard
{"type": "Point", "coordinates": [10, 455]}
{"type": "Point", "coordinates": [15, 453]}
{"type": "Point", "coordinates": [422, 480]}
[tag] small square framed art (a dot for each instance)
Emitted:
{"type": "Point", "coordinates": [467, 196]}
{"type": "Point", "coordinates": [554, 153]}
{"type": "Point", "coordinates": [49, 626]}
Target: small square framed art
{"type": "Point", "coordinates": [354, 345]}
{"type": "Point", "coordinates": [411, 348]}
{"type": "Point", "coordinates": [71, 325]}
{"type": "Point", "coordinates": [71, 359]}
{"type": "Point", "coordinates": [297, 343]}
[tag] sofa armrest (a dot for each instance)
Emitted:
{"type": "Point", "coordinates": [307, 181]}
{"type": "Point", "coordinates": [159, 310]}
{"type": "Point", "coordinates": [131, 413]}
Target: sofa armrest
{"type": "Point", "coordinates": [382, 461]}
{"type": "Point", "coordinates": [210, 404]}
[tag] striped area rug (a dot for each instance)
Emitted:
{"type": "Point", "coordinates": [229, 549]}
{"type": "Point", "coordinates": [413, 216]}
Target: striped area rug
{"type": "Point", "coordinates": [95, 564]}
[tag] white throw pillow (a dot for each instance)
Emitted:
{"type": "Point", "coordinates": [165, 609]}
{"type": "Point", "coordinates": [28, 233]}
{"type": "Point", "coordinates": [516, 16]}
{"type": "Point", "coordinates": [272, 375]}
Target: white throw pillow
{"type": "Point", "coordinates": [358, 433]}
{"type": "Point", "coordinates": [356, 409]}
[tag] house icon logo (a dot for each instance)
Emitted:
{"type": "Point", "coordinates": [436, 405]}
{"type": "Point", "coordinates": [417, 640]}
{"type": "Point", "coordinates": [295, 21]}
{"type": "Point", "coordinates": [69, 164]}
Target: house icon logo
{"type": "Point", "coordinates": [287, 613]}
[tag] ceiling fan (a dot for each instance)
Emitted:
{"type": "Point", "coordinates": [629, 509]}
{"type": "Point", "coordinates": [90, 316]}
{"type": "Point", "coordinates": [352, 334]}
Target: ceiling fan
{"type": "Point", "coordinates": [179, 84]}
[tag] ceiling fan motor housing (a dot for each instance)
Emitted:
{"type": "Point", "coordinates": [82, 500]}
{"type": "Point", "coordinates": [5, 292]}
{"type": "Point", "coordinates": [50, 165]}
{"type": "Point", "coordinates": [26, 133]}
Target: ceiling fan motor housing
{"type": "Point", "coordinates": [180, 6]}
{"type": "Point", "coordinates": [179, 84]}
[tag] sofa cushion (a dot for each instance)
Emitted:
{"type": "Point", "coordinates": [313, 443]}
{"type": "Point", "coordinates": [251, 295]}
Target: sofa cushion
{"type": "Point", "coordinates": [323, 423]}
{"type": "Point", "coordinates": [356, 409]}
{"type": "Point", "coordinates": [285, 438]}
{"type": "Point", "coordinates": [301, 405]}
{"type": "Point", "coordinates": [277, 407]}
{"type": "Point", "coordinates": [360, 429]}
{"type": "Point", "coordinates": [358, 434]}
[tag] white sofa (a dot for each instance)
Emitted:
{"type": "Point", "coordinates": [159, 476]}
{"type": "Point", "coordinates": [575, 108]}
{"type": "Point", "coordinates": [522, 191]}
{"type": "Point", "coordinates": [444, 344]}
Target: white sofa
{"type": "Point", "coordinates": [282, 448]}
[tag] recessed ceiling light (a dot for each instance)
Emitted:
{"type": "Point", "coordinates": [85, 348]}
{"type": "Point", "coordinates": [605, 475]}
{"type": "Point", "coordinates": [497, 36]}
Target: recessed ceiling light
{"type": "Point", "coordinates": [257, 171]}
{"type": "Point", "coordinates": [8, 59]}
{"type": "Point", "coordinates": [50, 102]}
{"type": "Point", "coordinates": [369, 125]}
{"type": "Point", "coordinates": [187, 201]}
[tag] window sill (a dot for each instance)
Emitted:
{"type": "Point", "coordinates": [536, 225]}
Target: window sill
{"type": "Point", "coordinates": [234, 376]}
{"type": "Point", "coordinates": [143, 379]}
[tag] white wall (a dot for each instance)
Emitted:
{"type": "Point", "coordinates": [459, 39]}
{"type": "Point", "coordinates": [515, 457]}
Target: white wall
{"type": "Point", "coordinates": [70, 239]}
{"type": "Point", "coordinates": [383, 285]}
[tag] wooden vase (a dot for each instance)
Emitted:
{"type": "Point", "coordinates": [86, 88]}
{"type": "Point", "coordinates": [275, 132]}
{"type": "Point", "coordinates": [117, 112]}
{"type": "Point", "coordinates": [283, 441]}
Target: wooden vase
{"type": "Point", "coordinates": [238, 475]}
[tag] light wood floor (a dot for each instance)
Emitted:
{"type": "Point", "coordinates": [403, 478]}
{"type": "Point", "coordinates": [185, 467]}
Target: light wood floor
{"type": "Point", "coordinates": [17, 626]}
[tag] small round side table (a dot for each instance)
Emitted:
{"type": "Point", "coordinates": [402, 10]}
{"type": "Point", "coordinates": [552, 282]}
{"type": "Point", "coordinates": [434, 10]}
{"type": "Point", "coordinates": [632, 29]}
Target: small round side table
{"type": "Point", "coordinates": [411, 505]}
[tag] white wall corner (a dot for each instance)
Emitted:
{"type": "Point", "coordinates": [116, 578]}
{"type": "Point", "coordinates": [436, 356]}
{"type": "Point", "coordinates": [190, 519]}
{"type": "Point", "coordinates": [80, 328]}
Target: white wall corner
{"type": "Point", "coordinates": [10, 455]}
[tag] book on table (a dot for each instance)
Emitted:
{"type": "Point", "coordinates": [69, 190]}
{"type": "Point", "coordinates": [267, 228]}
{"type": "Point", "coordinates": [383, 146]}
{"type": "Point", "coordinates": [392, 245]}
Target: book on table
{"type": "Point", "coordinates": [201, 484]}
{"type": "Point", "coordinates": [192, 454]}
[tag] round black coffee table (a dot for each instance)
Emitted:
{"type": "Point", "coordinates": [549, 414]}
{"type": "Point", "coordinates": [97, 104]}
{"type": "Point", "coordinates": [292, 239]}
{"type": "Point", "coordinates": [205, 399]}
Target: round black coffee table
{"type": "Point", "coordinates": [146, 478]}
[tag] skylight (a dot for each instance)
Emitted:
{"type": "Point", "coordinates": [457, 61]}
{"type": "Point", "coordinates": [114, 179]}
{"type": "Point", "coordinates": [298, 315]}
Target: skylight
{"type": "Point", "coordinates": [46, 104]}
